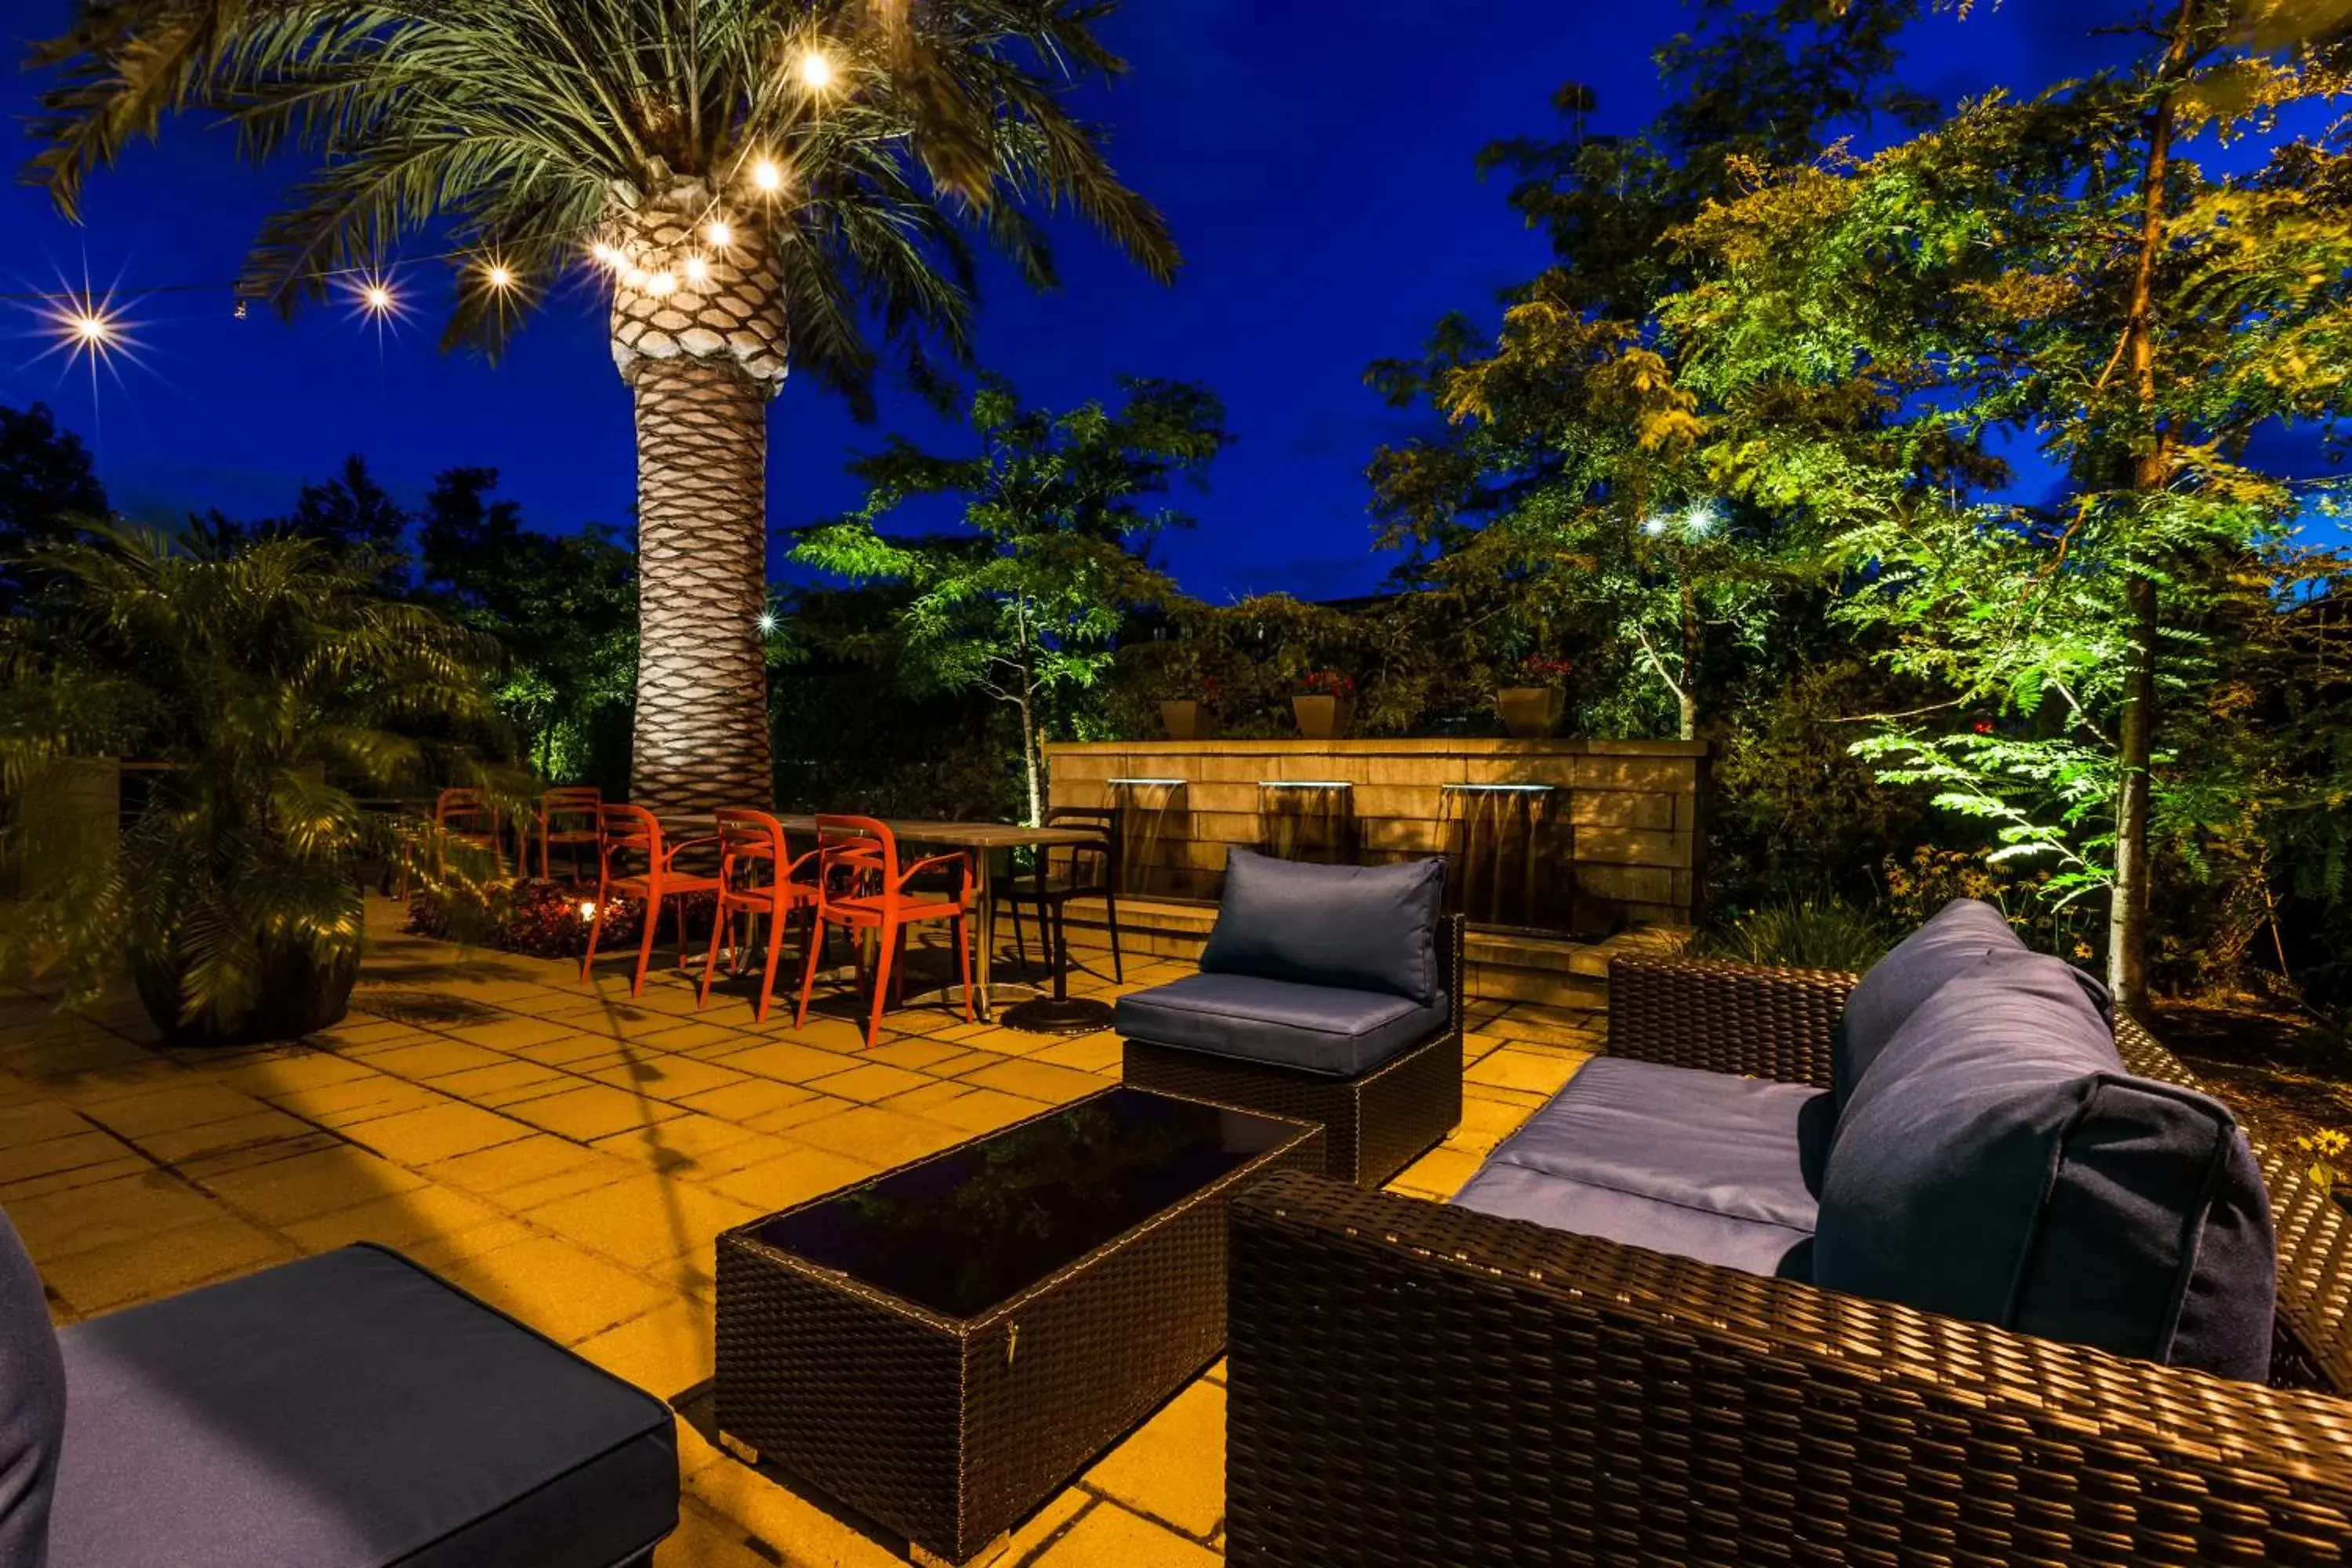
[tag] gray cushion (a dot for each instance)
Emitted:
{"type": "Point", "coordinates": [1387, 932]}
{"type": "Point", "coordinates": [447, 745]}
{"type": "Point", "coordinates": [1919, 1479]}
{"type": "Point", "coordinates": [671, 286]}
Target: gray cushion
{"type": "Point", "coordinates": [1996, 1163]}
{"type": "Point", "coordinates": [349, 1411]}
{"type": "Point", "coordinates": [1950, 943]}
{"type": "Point", "coordinates": [1701, 1164]}
{"type": "Point", "coordinates": [1358, 928]}
{"type": "Point", "coordinates": [1318, 1028]}
{"type": "Point", "coordinates": [32, 1407]}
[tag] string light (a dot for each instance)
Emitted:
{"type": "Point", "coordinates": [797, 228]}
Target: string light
{"type": "Point", "coordinates": [635, 279]}
{"type": "Point", "coordinates": [767, 620]}
{"type": "Point", "coordinates": [499, 276]}
{"type": "Point", "coordinates": [606, 256]}
{"type": "Point", "coordinates": [91, 330]}
{"type": "Point", "coordinates": [816, 70]}
{"type": "Point", "coordinates": [719, 234]}
{"type": "Point", "coordinates": [767, 176]}
{"type": "Point", "coordinates": [661, 283]}
{"type": "Point", "coordinates": [697, 269]}
{"type": "Point", "coordinates": [377, 298]}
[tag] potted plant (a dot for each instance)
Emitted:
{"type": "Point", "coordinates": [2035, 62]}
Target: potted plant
{"type": "Point", "coordinates": [256, 674]}
{"type": "Point", "coordinates": [1326, 706]}
{"type": "Point", "coordinates": [1194, 717]}
{"type": "Point", "coordinates": [1532, 707]}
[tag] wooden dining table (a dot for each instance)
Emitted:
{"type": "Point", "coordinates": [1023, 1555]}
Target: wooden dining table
{"type": "Point", "coordinates": [983, 839]}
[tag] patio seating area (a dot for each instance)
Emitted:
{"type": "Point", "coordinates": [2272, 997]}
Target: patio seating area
{"type": "Point", "coordinates": [570, 1154]}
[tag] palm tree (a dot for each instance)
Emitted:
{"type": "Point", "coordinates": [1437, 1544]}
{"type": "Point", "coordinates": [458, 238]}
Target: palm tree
{"type": "Point", "coordinates": [759, 181]}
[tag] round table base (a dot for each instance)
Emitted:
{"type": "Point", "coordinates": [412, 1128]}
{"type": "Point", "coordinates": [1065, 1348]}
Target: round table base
{"type": "Point", "coordinates": [1057, 1016]}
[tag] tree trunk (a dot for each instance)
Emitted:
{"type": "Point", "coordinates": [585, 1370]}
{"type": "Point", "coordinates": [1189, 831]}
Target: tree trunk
{"type": "Point", "coordinates": [2151, 471]}
{"type": "Point", "coordinates": [698, 334]}
{"type": "Point", "coordinates": [1688, 695]}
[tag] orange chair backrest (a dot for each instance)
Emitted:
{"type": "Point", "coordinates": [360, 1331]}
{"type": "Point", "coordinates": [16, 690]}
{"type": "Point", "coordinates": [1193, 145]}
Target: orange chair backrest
{"type": "Point", "coordinates": [748, 839]}
{"type": "Point", "coordinates": [460, 810]}
{"type": "Point", "coordinates": [628, 830]}
{"type": "Point", "coordinates": [583, 802]}
{"type": "Point", "coordinates": [857, 857]}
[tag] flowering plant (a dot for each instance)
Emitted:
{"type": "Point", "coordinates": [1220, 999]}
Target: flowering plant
{"type": "Point", "coordinates": [1538, 670]}
{"type": "Point", "coordinates": [1330, 683]}
{"type": "Point", "coordinates": [535, 918]}
{"type": "Point", "coordinates": [1212, 689]}
{"type": "Point", "coordinates": [2326, 1148]}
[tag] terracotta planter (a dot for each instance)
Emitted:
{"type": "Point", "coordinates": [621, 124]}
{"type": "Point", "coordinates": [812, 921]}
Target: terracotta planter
{"type": "Point", "coordinates": [1188, 719]}
{"type": "Point", "coordinates": [1323, 718]}
{"type": "Point", "coordinates": [1530, 713]}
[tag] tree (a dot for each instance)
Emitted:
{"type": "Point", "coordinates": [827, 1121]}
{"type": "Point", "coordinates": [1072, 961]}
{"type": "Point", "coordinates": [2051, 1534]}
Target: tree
{"type": "Point", "coordinates": [564, 606]}
{"type": "Point", "coordinates": [1026, 605]}
{"type": "Point", "coordinates": [2049, 275]}
{"type": "Point", "coordinates": [49, 489]}
{"type": "Point", "coordinates": [761, 178]}
{"type": "Point", "coordinates": [1569, 502]}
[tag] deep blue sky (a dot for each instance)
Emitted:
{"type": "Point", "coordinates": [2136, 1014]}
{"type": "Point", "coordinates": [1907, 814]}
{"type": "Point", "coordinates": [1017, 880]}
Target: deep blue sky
{"type": "Point", "coordinates": [1313, 156]}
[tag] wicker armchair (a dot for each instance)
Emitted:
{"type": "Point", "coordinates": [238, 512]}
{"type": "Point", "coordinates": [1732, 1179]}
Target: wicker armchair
{"type": "Point", "coordinates": [1412, 1384]}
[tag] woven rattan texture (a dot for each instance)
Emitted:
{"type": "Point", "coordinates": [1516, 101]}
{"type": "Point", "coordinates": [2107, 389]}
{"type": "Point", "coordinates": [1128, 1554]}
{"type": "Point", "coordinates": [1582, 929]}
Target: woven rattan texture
{"type": "Point", "coordinates": [1416, 1384]}
{"type": "Point", "coordinates": [951, 1431]}
{"type": "Point", "coordinates": [1374, 1126]}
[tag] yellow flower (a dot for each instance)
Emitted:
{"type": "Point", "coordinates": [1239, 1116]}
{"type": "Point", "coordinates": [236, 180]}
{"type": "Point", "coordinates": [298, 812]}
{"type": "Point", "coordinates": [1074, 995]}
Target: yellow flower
{"type": "Point", "coordinates": [2082, 949]}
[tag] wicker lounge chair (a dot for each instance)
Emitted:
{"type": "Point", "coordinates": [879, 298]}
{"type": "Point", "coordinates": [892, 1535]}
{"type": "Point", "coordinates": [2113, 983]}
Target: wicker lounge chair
{"type": "Point", "coordinates": [1417, 1384]}
{"type": "Point", "coordinates": [1380, 1105]}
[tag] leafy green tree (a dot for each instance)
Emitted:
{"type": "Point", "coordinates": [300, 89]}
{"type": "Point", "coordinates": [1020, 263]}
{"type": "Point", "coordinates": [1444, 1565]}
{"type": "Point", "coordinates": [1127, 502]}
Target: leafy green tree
{"type": "Point", "coordinates": [563, 607]}
{"type": "Point", "coordinates": [762, 179]}
{"type": "Point", "coordinates": [2052, 274]}
{"type": "Point", "coordinates": [1061, 510]}
{"type": "Point", "coordinates": [49, 489]}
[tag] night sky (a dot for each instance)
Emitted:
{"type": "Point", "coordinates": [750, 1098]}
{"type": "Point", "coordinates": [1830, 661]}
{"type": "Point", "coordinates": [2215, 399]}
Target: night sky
{"type": "Point", "coordinates": [1314, 157]}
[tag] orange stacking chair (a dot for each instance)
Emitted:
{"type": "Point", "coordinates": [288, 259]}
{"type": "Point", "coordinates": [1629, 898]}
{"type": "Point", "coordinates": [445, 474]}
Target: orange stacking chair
{"type": "Point", "coordinates": [759, 875]}
{"type": "Point", "coordinates": [861, 887]}
{"type": "Point", "coordinates": [628, 833]}
{"type": "Point", "coordinates": [567, 816]}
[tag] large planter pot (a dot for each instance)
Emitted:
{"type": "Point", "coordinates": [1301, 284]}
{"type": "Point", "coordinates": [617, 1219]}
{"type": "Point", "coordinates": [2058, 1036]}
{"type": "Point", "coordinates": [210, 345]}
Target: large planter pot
{"type": "Point", "coordinates": [1323, 718]}
{"type": "Point", "coordinates": [298, 997]}
{"type": "Point", "coordinates": [1530, 713]}
{"type": "Point", "coordinates": [1187, 720]}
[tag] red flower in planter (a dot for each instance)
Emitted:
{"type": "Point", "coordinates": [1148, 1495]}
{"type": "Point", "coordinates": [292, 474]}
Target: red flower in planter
{"type": "Point", "coordinates": [1538, 670]}
{"type": "Point", "coordinates": [1212, 689]}
{"type": "Point", "coordinates": [1330, 683]}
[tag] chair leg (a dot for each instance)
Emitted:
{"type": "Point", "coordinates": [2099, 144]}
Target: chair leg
{"type": "Point", "coordinates": [595, 928]}
{"type": "Point", "coordinates": [646, 943]}
{"type": "Point", "coordinates": [883, 952]}
{"type": "Point", "coordinates": [1020, 941]}
{"type": "Point", "coordinates": [710, 962]}
{"type": "Point", "coordinates": [681, 929]}
{"type": "Point", "coordinates": [808, 969]}
{"type": "Point", "coordinates": [768, 974]}
{"type": "Point", "coordinates": [1110, 907]}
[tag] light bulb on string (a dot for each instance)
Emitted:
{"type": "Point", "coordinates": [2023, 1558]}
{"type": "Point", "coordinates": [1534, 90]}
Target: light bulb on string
{"type": "Point", "coordinates": [499, 275]}
{"type": "Point", "coordinates": [720, 233]}
{"type": "Point", "coordinates": [767, 175]}
{"type": "Point", "coordinates": [697, 270]}
{"type": "Point", "coordinates": [662, 284]}
{"type": "Point", "coordinates": [816, 70]}
{"type": "Point", "coordinates": [606, 256]}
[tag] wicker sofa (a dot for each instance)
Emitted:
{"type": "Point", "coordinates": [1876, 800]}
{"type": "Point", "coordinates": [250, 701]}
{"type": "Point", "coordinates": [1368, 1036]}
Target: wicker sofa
{"type": "Point", "coordinates": [1416, 1384]}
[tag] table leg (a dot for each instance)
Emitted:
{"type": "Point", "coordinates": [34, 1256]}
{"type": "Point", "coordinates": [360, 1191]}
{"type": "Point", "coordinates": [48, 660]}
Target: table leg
{"type": "Point", "coordinates": [985, 920]}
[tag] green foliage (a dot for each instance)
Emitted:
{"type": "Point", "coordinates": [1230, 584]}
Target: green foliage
{"type": "Point", "coordinates": [564, 609]}
{"type": "Point", "coordinates": [49, 489]}
{"type": "Point", "coordinates": [516, 127]}
{"type": "Point", "coordinates": [1829, 934]}
{"type": "Point", "coordinates": [279, 683]}
{"type": "Point", "coordinates": [1062, 510]}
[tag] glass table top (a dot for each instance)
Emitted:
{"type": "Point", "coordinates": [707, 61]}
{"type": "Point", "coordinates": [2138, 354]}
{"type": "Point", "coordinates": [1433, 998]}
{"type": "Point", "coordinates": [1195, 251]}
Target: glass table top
{"type": "Point", "coordinates": [963, 1231]}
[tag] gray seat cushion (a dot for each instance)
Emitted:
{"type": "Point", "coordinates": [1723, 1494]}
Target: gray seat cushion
{"type": "Point", "coordinates": [32, 1406]}
{"type": "Point", "coordinates": [348, 1411]}
{"type": "Point", "coordinates": [1996, 1163]}
{"type": "Point", "coordinates": [1317, 1029]}
{"type": "Point", "coordinates": [1355, 928]}
{"type": "Point", "coordinates": [1705, 1165]}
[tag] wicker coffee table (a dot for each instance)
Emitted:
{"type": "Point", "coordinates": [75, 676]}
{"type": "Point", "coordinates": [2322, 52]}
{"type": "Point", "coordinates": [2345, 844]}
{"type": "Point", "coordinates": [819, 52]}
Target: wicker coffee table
{"type": "Point", "coordinates": [945, 1346]}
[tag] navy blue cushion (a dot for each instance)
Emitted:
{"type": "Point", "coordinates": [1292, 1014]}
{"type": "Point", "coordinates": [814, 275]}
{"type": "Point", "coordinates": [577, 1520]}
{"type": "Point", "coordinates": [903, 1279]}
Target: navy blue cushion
{"type": "Point", "coordinates": [1358, 928]}
{"type": "Point", "coordinates": [1318, 1028]}
{"type": "Point", "coordinates": [348, 1411]}
{"type": "Point", "coordinates": [1704, 1165]}
{"type": "Point", "coordinates": [1996, 1163]}
{"type": "Point", "coordinates": [1950, 943]}
{"type": "Point", "coordinates": [32, 1407]}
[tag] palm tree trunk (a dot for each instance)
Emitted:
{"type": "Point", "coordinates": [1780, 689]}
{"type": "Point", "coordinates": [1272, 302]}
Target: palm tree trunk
{"type": "Point", "coordinates": [702, 574]}
{"type": "Point", "coordinates": [698, 333]}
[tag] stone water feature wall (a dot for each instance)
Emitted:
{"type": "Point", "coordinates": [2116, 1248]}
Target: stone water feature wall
{"type": "Point", "coordinates": [1568, 837]}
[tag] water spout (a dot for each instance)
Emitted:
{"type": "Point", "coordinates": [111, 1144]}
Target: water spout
{"type": "Point", "coordinates": [1154, 831]}
{"type": "Point", "coordinates": [1506, 855]}
{"type": "Point", "coordinates": [1307, 819]}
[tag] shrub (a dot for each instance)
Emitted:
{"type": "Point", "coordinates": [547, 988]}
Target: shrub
{"type": "Point", "coordinates": [1829, 934]}
{"type": "Point", "coordinates": [541, 919]}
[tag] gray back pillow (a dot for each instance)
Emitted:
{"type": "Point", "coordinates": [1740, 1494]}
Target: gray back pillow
{"type": "Point", "coordinates": [32, 1407]}
{"type": "Point", "coordinates": [1998, 1163]}
{"type": "Point", "coordinates": [1357, 928]}
{"type": "Point", "coordinates": [1951, 943]}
